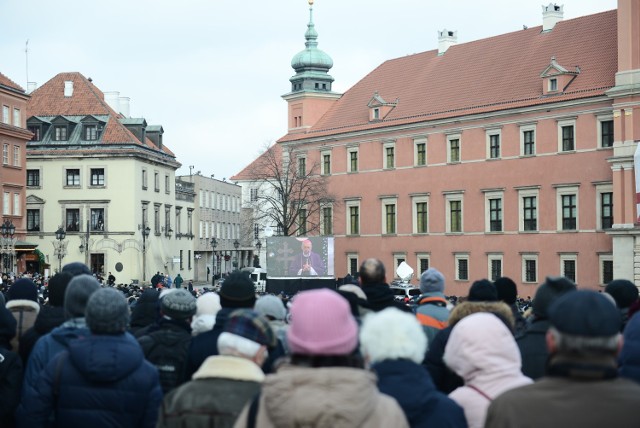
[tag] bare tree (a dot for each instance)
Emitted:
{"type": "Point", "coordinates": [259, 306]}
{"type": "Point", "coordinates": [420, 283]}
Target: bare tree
{"type": "Point", "coordinates": [288, 190]}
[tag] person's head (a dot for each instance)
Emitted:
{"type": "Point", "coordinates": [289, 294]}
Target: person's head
{"type": "Point", "coordinates": [623, 291]}
{"type": "Point", "coordinates": [482, 290]}
{"type": "Point", "coordinates": [247, 334]}
{"type": "Point", "coordinates": [271, 307]}
{"type": "Point", "coordinates": [306, 247]}
{"type": "Point", "coordinates": [551, 289]}
{"type": "Point", "coordinates": [77, 294]}
{"type": "Point", "coordinates": [178, 304]}
{"type": "Point", "coordinates": [76, 268]}
{"type": "Point", "coordinates": [23, 289]}
{"type": "Point", "coordinates": [372, 272]}
{"type": "Point", "coordinates": [355, 289]}
{"type": "Point", "coordinates": [584, 323]}
{"type": "Point", "coordinates": [321, 324]}
{"type": "Point", "coordinates": [431, 280]}
{"type": "Point", "coordinates": [237, 291]}
{"type": "Point", "coordinates": [107, 312]}
{"type": "Point", "coordinates": [207, 307]}
{"type": "Point", "coordinates": [57, 288]}
{"type": "Point", "coordinates": [390, 335]}
{"type": "Point", "coordinates": [506, 289]}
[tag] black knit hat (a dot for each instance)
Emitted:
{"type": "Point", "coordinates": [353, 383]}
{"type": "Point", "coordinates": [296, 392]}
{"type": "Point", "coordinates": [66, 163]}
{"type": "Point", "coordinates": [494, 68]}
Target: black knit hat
{"type": "Point", "coordinates": [57, 287]}
{"type": "Point", "coordinates": [585, 313]}
{"type": "Point", "coordinates": [507, 290]}
{"type": "Point", "coordinates": [482, 290]}
{"type": "Point", "coordinates": [552, 288]}
{"type": "Point", "coordinates": [23, 289]}
{"type": "Point", "coordinates": [76, 268]}
{"type": "Point", "coordinates": [237, 291]}
{"type": "Point", "coordinates": [623, 291]}
{"type": "Point", "coordinates": [107, 312]}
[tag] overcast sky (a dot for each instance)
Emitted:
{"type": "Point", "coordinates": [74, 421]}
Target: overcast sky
{"type": "Point", "coordinates": [212, 72]}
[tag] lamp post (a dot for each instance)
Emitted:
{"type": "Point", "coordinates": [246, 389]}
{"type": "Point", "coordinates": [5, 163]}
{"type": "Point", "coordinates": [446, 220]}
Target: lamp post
{"type": "Point", "coordinates": [258, 246]}
{"type": "Point", "coordinates": [60, 235]}
{"type": "Point", "coordinates": [214, 244]}
{"type": "Point", "coordinates": [146, 230]}
{"type": "Point", "coordinates": [236, 245]}
{"type": "Point", "coordinates": [8, 229]}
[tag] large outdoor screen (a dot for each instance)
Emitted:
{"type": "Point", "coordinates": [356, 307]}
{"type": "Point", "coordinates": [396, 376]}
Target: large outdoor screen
{"type": "Point", "coordinates": [296, 256]}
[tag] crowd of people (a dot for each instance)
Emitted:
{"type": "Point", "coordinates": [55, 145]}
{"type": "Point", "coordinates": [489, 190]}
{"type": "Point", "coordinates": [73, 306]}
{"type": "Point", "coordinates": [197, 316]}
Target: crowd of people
{"type": "Point", "coordinates": [82, 353]}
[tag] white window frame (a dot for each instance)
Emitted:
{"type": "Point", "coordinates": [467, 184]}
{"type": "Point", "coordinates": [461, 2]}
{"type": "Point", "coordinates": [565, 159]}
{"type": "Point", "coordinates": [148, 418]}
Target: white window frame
{"type": "Point", "coordinates": [17, 117]}
{"type": "Point", "coordinates": [488, 195]}
{"type": "Point", "coordinates": [450, 138]}
{"type": "Point", "coordinates": [488, 134]}
{"type": "Point", "coordinates": [569, 257]}
{"type": "Point", "coordinates": [5, 154]}
{"type": "Point", "coordinates": [5, 114]}
{"type": "Point", "coordinates": [451, 197]}
{"type": "Point", "coordinates": [527, 193]}
{"type": "Point", "coordinates": [601, 259]}
{"type": "Point", "coordinates": [415, 200]}
{"type": "Point", "coordinates": [561, 124]}
{"type": "Point", "coordinates": [492, 257]}
{"type": "Point", "coordinates": [416, 142]}
{"type": "Point", "coordinates": [349, 204]}
{"type": "Point", "coordinates": [355, 150]}
{"type": "Point", "coordinates": [322, 229]}
{"type": "Point", "coordinates": [145, 179]}
{"type": "Point", "coordinates": [571, 189]}
{"type": "Point", "coordinates": [300, 160]}
{"type": "Point", "coordinates": [384, 201]}
{"type": "Point", "coordinates": [600, 189]}
{"type": "Point", "coordinates": [525, 257]}
{"type": "Point", "coordinates": [16, 155]}
{"type": "Point", "coordinates": [6, 203]}
{"type": "Point", "coordinates": [457, 258]}
{"type": "Point", "coordinates": [388, 145]}
{"type": "Point", "coordinates": [352, 256]}
{"type": "Point", "coordinates": [65, 179]}
{"type": "Point", "coordinates": [523, 129]}
{"type": "Point", "coordinates": [397, 259]}
{"type": "Point", "coordinates": [599, 120]}
{"type": "Point", "coordinates": [419, 258]}
{"type": "Point", "coordinates": [16, 204]}
{"type": "Point", "coordinates": [104, 172]}
{"type": "Point", "coordinates": [322, 155]}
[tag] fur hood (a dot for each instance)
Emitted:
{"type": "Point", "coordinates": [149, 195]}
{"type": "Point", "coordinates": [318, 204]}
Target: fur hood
{"type": "Point", "coordinates": [500, 309]}
{"type": "Point", "coordinates": [29, 305]}
{"type": "Point", "coordinates": [229, 367]}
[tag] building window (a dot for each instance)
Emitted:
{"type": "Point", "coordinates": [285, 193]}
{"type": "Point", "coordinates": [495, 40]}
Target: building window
{"type": "Point", "coordinates": [327, 221]}
{"type": "Point", "coordinates": [16, 155]}
{"type": "Point", "coordinates": [73, 177]}
{"type": "Point", "coordinates": [454, 213]}
{"type": "Point", "coordinates": [420, 153]}
{"type": "Point", "coordinates": [462, 267]}
{"type": "Point", "coordinates": [16, 204]}
{"type": "Point", "coordinates": [16, 117]}
{"type": "Point", "coordinates": [5, 114]}
{"type": "Point", "coordinates": [454, 150]}
{"type": "Point", "coordinates": [97, 219]}
{"type": "Point", "coordinates": [6, 203]}
{"type": "Point", "coordinates": [167, 187]}
{"type": "Point", "coordinates": [528, 142]}
{"type": "Point", "coordinates": [352, 264]}
{"type": "Point", "coordinates": [33, 220]}
{"type": "Point", "coordinates": [553, 85]}
{"type": "Point", "coordinates": [33, 178]}
{"type": "Point", "coordinates": [91, 132]}
{"type": "Point", "coordinates": [495, 214]}
{"type": "Point", "coordinates": [144, 179]}
{"type": "Point", "coordinates": [181, 260]}
{"type": "Point", "coordinates": [73, 220]}
{"type": "Point", "coordinates": [568, 266]}
{"type": "Point", "coordinates": [189, 259]}
{"type": "Point", "coordinates": [389, 156]}
{"type": "Point", "coordinates": [566, 135]}
{"type": "Point", "coordinates": [156, 181]}
{"type": "Point", "coordinates": [36, 131]}
{"type": "Point", "coordinates": [495, 267]}
{"type": "Point", "coordinates": [5, 154]}
{"type": "Point", "coordinates": [376, 114]}
{"type": "Point", "coordinates": [353, 218]}
{"type": "Point", "coordinates": [423, 263]}
{"type": "Point", "coordinates": [60, 133]}
{"type": "Point", "coordinates": [606, 269]}
{"type": "Point", "coordinates": [606, 210]}
{"type": "Point", "coordinates": [302, 222]}
{"type": "Point", "coordinates": [494, 146]}
{"type": "Point", "coordinates": [569, 212]}
{"type": "Point", "coordinates": [529, 213]}
{"type": "Point", "coordinates": [606, 133]}
{"type": "Point", "coordinates": [529, 268]}
{"type": "Point", "coordinates": [253, 195]}
{"type": "Point", "coordinates": [302, 167]}
{"type": "Point", "coordinates": [326, 163]}
{"type": "Point", "coordinates": [178, 222]}
{"type": "Point", "coordinates": [421, 216]}
{"type": "Point", "coordinates": [156, 220]}
{"type": "Point", "coordinates": [389, 218]}
{"type": "Point", "coordinates": [167, 223]}
{"type": "Point", "coordinates": [97, 176]}
{"type": "Point", "coordinates": [353, 160]}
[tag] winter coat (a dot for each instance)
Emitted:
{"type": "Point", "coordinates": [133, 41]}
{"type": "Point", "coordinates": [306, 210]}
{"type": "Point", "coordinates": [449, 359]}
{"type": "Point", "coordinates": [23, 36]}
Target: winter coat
{"type": "Point", "coordinates": [8, 325]}
{"type": "Point", "coordinates": [178, 281]}
{"type": "Point", "coordinates": [446, 380]}
{"type": "Point", "coordinates": [629, 358]}
{"type": "Point", "coordinates": [47, 347]}
{"type": "Point", "coordinates": [102, 381]}
{"type": "Point", "coordinates": [533, 348]}
{"type": "Point", "coordinates": [328, 397]}
{"type": "Point", "coordinates": [423, 405]}
{"type": "Point", "coordinates": [206, 344]}
{"type": "Point", "coordinates": [585, 394]}
{"type": "Point", "coordinates": [215, 397]}
{"type": "Point", "coordinates": [432, 312]}
{"type": "Point", "coordinates": [146, 311]}
{"type": "Point", "coordinates": [48, 318]}
{"type": "Point", "coordinates": [25, 313]}
{"type": "Point", "coordinates": [166, 348]}
{"type": "Point", "coordinates": [482, 350]}
{"type": "Point", "coordinates": [380, 296]}
{"type": "Point", "coordinates": [10, 386]}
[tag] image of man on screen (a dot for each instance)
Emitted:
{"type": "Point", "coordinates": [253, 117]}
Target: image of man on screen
{"type": "Point", "coordinates": [307, 263]}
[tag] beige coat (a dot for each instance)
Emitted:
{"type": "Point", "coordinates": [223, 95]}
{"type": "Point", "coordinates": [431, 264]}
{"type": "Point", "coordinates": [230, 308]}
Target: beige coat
{"type": "Point", "coordinates": [329, 397]}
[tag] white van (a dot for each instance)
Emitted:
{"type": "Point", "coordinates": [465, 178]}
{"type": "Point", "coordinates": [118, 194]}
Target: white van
{"type": "Point", "coordinates": [258, 276]}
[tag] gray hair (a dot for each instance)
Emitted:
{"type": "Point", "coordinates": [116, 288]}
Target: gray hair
{"type": "Point", "coordinates": [584, 345]}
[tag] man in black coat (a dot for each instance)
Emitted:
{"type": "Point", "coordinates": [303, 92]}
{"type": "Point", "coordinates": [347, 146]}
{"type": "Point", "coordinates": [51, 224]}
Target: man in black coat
{"type": "Point", "coordinates": [373, 281]}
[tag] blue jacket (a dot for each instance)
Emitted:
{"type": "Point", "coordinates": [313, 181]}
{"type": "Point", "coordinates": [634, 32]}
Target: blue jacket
{"type": "Point", "coordinates": [629, 358]}
{"type": "Point", "coordinates": [102, 381]}
{"type": "Point", "coordinates": [410, 384]}
{"type": "Point", "coordinates": [206, 344]}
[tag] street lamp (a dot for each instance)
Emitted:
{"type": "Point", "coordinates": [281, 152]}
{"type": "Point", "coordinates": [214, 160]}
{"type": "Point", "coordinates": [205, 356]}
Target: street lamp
{"type": "Point", "coordinates": [214, 244]}
{"type": "Point", "coordinates": [236, 245]}
{"type": "Point", "coordinates": [8, 229]}
{"type": "Point", "coordinates": [60, 235]}
{"type": "Point", "coordinates": [258, 246]}
{"type": "Point", "coordinates": [145, 234]}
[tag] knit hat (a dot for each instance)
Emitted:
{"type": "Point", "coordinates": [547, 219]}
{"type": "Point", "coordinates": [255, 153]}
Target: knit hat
{"type": "Point", "coordinates": [76, 268]}
{"type": "Point", "coordinates": [623, 291]}
{"type": "Point", "coordinates": [208, 304]}
{"type": "Point", "coordinates": [585, 313]}
{"type": "Point", "coordinates": [57, 286]}
{"type": "Point", "coordinates": [77, 294]}
{"type": "Point", "coordinates": [506, 289]}
{"type": "Point", "coordinates": [179, 304]}
{"type": "Point", "coordinates": [431, 280]}
{"type": "Point", "coordinates": [552, 288]}
{"type": "Point", "coordinates": [251, 325]}
{"type": "Point", "coordinates": [23, 289]}
{"type": "Point", "coordinates": [107, 312]}
{"type": "Point", "coordinates": [237, 291]}
{"type": "Point", "coordinates": [272, 306]}
{"type": "Point", "coordinates": [321, 324]}
{"type": "Point", "coordinates": [482, 290]}
{"type": "Point", "coordinates": [355, 289]}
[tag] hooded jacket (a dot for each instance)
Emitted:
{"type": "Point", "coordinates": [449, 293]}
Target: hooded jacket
{"type": "Point", "coordinates": [328, 397]}
{"type": "Point", "coordinates": [380, 296]}
{"type": "Point", "coordinates": [48, 318]}
{"type": "Point", "coordinates": [629, 358]}
{"type": "Point", "coordinates": [482, 350]}
{"type": "Point", "coordinates": [103, 381]}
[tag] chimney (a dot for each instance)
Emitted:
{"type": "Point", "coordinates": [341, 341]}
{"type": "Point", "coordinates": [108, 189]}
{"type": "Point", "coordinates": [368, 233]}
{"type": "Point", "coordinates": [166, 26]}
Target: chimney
{"type": "Point", "coordinates": [113, 99]}
{"type": "Point", "coordinates": [68, 88]}
{"type": "Point", "coordinates": [446, 39]}
{"type": "Point", "coordinates": [31, 86]}
{"type": "Point", "coordinates": [123, 102]}
{"type": "Point", "coordinates": [551, 15]}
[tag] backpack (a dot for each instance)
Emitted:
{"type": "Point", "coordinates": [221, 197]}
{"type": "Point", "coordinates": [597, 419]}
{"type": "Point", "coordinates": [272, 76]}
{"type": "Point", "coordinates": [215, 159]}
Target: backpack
{"type": "Point", "coordinates": [428, 320]}
{"type": "Point", "coordinates": [170, 358]}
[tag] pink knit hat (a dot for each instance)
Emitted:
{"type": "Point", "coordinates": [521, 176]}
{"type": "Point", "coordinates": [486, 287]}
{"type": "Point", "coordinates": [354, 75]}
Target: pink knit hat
{"type": "Point", "coordinates": [321, 324]}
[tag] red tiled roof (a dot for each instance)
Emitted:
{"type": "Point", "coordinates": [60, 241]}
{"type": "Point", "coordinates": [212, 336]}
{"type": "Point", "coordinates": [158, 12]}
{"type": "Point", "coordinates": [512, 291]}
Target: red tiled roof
{"type": "Point", "coordinates": [248, 172]}
{"type": "Point", "coordinates": [491, 74]}
{"type": "Point", "coordinates": [5, 81]}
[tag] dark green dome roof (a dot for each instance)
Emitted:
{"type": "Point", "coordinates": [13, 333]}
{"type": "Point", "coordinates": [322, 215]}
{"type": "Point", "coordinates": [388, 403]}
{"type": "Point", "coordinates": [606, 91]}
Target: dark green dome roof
{"type": "Point", "coordinates": [311, 57]}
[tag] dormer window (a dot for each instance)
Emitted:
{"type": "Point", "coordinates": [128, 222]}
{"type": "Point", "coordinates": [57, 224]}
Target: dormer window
{"type": "Point", "coordinates": [553, 85]}
{"type": "Point", "coordinates": [60, 133]}
{"type": "Point", "coordinates": [376, 114]}
{"type": "Point", "coordinates": [37, 133]}
{"type": "Point", "coordinates": [557, 78]}
{"type": "Point", "coordinates": [91, 132]}
{"type": "Point", "coordinates": [379, 108]}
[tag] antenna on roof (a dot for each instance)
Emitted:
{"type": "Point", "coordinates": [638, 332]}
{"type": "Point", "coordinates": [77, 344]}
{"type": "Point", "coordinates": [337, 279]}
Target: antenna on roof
{"type": "Point", "coordinates": [26, 54]}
